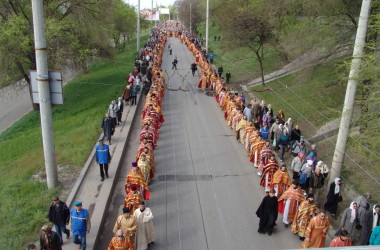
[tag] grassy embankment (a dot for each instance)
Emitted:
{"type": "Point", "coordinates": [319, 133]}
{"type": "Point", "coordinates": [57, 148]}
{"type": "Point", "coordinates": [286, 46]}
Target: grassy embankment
{"type": "Point", "coordinates": [24, 200]}
{"type": "Point", "coordinates": [312, 97]}
{"type": "Point", "coordinates": [241, 62]}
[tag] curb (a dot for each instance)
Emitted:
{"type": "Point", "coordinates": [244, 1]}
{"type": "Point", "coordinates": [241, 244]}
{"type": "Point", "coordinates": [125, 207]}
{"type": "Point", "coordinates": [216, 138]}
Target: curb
{"type": "Point", "coordinates": [104, 197]}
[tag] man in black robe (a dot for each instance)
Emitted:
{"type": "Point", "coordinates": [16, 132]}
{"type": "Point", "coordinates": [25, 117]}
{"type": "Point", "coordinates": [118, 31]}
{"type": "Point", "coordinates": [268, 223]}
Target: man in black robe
{"type": "Point", "coordinates": [268, 212]}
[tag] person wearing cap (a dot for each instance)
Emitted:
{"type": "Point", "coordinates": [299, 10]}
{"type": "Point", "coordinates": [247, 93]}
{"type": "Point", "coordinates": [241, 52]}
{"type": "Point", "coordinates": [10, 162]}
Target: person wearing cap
{"type": "Point", "coordinates": [146, 233]}
{"type": "Point", "coordinates": [333, 197]}
{"type": "Point", "coordinates": [120, 109]}
{"type": "Point", "coordinates": [49, 240]}
{"type": "Point", "coordinates": [120, 241]}
{"type": "Point", "coordinates": [127, 223]}
{"type": "Point", "coordinates": [80, 224]}
{"type": "Point", "coordinates": [136, 179]}
{"type": "Point", "coordinates": [103, 158]}
{"type": "Point", "coordinates": [268, 213]}
{"type": "Point", "coordinates": [59, 215]}
{"type": "Point", "coordinates": [305, 212]}
{"type": "Point", "coordinates": [289, 202]}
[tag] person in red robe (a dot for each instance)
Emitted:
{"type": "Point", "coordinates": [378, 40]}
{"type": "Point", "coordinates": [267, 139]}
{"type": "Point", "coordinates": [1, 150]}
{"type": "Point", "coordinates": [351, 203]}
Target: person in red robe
{"type": "Point", "coordinates": [316, 231]}
{"type": "Point", "coordinates": [203, 82]}
{"type": "Point", "coordinates": [132, 200]}
{"type": "Point", "coordinates": [305, 212]}
{"type": "Point", "coordinates": [144, 144]}
{"type": "Point", "coordinates": [281, 180]}
{"type": "Point", "coordinates": [136, 179]}
{"type": "Point", "coordinates": [265, 154]}
{"type": "Point", "coordinates": [289, 202]}
{"type": "Point", "coordinates": [270, 168]}
{"type": "Point", "coordinates": [120, 242]}
{"type": "Point", "coordinates": [342, 240]}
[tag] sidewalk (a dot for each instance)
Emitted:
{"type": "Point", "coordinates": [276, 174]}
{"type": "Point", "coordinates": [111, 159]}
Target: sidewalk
{"type": "Point", "coordinates": [88, 188]}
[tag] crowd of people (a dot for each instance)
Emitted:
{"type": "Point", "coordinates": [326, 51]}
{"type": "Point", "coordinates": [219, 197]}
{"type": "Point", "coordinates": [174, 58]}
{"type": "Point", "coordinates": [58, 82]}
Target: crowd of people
{"type": "Point", "coordinates": [134, 228]}
{"type": "Point", "coordinates": [298, 197]}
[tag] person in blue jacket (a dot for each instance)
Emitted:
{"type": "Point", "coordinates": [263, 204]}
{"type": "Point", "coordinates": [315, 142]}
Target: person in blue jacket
{"type": "Point", "coordinates": [103, 157]}
{"type": "Point", "coordinates": [80, 224]}
{"type": "Point", "coordinates": [375, 236]}
{"type": "Point", "coordinates": [264, 131]}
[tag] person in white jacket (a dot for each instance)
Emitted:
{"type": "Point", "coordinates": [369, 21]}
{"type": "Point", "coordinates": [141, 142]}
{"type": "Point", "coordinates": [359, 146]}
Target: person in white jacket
{"type": "Point", "coordinates": [146, 233]}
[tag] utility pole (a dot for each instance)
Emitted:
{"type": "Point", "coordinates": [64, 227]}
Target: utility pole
{"type": "Point", "coordinates": [44, 94]}
{"type": "Point", "coordinates": [344, 128]}
{"type": "Point", "coordinates": [207, 17]}
{"type": "Point", "coordinates": [138, 26]}
{"type": "Point", "coordinates": [151, 20]}
{"type": "Point", "coordinates": [190, 19]}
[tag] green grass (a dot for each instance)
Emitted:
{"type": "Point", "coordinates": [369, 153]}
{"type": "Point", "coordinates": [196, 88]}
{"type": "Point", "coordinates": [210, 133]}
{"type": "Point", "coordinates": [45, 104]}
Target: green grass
{"type": "Point", "coordinates": [24, 201]}
{"type": "Point", "coordinates": [311, 97]}
{"type": "Point", "coordinates": [241, 62]}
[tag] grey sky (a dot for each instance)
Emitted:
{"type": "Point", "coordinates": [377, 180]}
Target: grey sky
{"type": "Point", "coordinates": [147, 4]}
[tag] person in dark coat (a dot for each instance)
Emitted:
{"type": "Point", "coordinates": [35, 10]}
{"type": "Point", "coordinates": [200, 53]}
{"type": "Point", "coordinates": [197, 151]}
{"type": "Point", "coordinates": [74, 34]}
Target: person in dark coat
{"type": "Point", "coordinates": [268, 212]}
{"type": "Point", "coordinates": [366, 221]}
{"type": "Point", "coordinates": [228, 77]}
{"type": "Point", "coordinates": [59, 215]}
{"type": "Point", "coordinates": [220, 71]}
{"type": "Point", "coordinates": [49, 240]}
{"type": "Point", "coordinates": [363, 205]}
{"type": "Point", "coordinates": [333, 197]}
{"type": "Point", "coordinates": [108, 127]}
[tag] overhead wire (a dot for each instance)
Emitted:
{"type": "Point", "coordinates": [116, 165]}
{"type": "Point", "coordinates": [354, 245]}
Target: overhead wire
{"type": "Point", "coordinates": [328, 139]}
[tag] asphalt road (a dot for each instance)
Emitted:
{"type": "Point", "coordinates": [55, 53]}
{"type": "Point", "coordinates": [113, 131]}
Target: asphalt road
{"type": "Point", "coordinates": [205, 192]}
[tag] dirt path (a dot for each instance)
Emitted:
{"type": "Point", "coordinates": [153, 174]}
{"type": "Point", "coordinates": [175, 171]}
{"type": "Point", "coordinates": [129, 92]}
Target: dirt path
{"type": "Point", "coordinates": [308, 59]}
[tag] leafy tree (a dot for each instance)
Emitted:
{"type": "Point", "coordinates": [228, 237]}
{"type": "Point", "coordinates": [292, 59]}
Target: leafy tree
{"type": "Point", "coordinates": [76, 30]}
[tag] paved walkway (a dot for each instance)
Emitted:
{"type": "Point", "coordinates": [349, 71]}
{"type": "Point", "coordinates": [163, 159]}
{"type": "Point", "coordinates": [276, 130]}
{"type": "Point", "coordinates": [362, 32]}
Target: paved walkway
{"type": "Point", "coordinates": [205, 192]}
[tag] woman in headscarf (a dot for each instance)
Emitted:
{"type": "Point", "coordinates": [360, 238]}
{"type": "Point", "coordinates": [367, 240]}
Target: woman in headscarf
{"type": "Point", "coordinates": [333, 197]}
{"type": "Point", "coordinates": [349, 220]}
{"type": "Point", "coordinates": [290, 124]}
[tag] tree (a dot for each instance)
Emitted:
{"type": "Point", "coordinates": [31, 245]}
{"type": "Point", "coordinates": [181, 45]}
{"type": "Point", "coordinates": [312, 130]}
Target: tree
{"type": "Point", "coordinates": [247, 25]}
{"type": "Point", "coordinates": [76, 30]}
{"type": "Point", "coordinates": [124, 23]}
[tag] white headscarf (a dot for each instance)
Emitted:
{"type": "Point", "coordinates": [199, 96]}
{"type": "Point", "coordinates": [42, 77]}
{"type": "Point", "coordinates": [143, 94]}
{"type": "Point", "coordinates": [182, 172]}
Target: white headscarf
{"type": "Point", "coordinates": [375, 216]}
{"type": "Point", "coordinates": [353, 211]}
{"type": "Point", "coordinates": [337, 186]}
